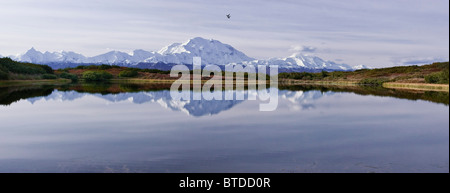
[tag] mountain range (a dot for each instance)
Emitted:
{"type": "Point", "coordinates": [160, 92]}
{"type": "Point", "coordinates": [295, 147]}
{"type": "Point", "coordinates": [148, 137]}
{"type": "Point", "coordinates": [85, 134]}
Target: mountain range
{"type": "Point", "coordinates": [211, 51]}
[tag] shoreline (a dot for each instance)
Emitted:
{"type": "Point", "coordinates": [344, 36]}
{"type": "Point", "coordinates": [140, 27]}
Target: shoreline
{"type": "Point", "coordinates": [317, 82]}
{"type": "Point", "coordinates": [4, 83]}
{"type": "Point", "coordinates": [393, 85]}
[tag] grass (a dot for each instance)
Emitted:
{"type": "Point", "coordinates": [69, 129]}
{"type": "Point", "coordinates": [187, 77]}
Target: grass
{"type": "Point", "coordinates": [417, 86]}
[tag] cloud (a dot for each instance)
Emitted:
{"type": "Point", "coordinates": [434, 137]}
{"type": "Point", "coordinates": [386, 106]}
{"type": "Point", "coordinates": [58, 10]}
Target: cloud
{"type": "Point", "coordinates": [418, 61]}
{"type": "Point", "coordinates": [359, 32]}
{"type": "Point", "coordinates": [303, 49]}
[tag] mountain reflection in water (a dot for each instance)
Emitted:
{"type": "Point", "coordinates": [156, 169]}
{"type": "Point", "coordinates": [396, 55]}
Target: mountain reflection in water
{"type": "Point", "coordinates": [299, 96]}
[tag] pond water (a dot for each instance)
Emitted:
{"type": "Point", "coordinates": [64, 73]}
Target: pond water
{"type": "Point", "coordinates": [135, 128]}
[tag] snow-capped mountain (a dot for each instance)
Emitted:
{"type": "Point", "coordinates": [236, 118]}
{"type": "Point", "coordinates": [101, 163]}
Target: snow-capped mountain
{"type": "Point", "coordinates": [35, 56]}
{"type": "Point", "coordinates": [32, 56]}
{"type": "Point", "coordinates": [211, 51]}
{"type": "Point", "coordinates": [141, 55]}
{"type": "Point", "coordinates": [299, 60]}
{"type": "Point", "coordinates": [112, 57]}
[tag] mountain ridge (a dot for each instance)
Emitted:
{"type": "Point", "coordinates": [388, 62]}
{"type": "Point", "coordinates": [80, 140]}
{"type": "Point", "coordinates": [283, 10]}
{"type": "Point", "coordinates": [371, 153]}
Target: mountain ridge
{"type": "Point", "coordinates": [211, 51]}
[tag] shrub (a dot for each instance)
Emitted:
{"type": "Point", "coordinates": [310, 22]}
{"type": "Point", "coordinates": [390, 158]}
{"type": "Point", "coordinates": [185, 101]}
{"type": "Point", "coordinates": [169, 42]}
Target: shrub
{"type": "Point", "coordinates": [337, 74]}
{"type": "Point", "coordinates": [128, 73]}
{"type": "Point", "coordinates": [155, 71]}
{"type": "Point", "coordinates": [48, 76]}
{"type": "Point", "coordinates": [441, 77]}
{"type": "Point", "coordinates": [444, 77]}
{"type": "Point", "coordinates": [96, 76]}
{"type": "Point", "coordinates": [79, 67]}
{"type": "Point", "coordinates": [47, 69]}
{"type": "Point", "coordinates": [4, 75]}
{"type": "Point", "coordinates": [66, 75]}
{"type": "Point", "coordinates": [432, 78]}
{"type": "Point", "coordinates": [104, 67]}
{"type": "Point", "coordinates": [105, 75]}
{"type": "Point", "coordinates": [91, 76]}
{"type": "Point", "coordinates": [324, 74]}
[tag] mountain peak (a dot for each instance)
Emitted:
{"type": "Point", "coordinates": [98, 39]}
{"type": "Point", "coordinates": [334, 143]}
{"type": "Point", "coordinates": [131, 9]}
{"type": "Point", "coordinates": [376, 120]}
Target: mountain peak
{"type": "Point", "coordinates": [172, 49]}
{"type": "Point", "coordinates": [211, 51]}
{"type": "Point", "coordinates": [32, 55]}
{"type": "Point", "coordinates": [32, 50]}
{"type": "Point", "coordinates": [202, 41]}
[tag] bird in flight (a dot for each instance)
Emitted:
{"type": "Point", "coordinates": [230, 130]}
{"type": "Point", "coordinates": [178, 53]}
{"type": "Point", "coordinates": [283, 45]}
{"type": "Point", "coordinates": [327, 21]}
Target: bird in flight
{"type": "Point", "coordinates": [229, 16]}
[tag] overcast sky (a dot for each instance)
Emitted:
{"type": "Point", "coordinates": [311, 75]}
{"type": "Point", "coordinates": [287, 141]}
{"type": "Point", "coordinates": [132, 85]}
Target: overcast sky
{"type": "Point", "coordinates": [375, 33]}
